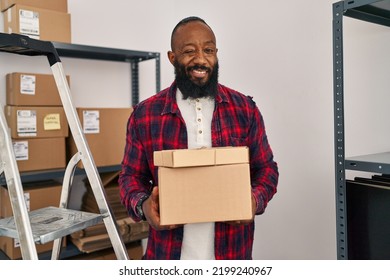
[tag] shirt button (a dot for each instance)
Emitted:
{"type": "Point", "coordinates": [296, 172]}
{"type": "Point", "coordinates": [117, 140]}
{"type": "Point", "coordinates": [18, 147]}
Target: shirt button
{"type": "Point", "coordinates": [198, 108]}
{"type": "Point", "coordinates": [199, 120]}
{"type": "Point", "coordinates": [200, 131]}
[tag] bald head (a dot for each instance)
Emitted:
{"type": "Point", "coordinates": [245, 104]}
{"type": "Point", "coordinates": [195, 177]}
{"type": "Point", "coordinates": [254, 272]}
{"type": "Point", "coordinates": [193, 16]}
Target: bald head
{"type": "Point", "coordinates": [184, 22]}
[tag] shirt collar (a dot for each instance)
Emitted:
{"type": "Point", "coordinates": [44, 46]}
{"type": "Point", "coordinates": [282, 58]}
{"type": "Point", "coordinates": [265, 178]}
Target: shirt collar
{"type": "Point", "coordinates": [171, 106]}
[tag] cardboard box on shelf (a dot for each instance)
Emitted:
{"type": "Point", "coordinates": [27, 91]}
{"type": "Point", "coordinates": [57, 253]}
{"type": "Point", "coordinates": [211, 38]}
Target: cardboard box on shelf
{"type": "Point", "coordinates": [36, 122]}
{"type": "Point", "coordinates": [40, 153]}
{"type": "Point", "coordinates": [41, 24]}
{"type": "Point", "coordinates": [204, 185]}
{"type": "Point", "coordinates": [37, 195]}
{"type": "Point", "coordinates": [32, 89]}
{"type": "Point", "coordinates": [55, 5]}
{"type": "Point", "coordinates": [105, 131]}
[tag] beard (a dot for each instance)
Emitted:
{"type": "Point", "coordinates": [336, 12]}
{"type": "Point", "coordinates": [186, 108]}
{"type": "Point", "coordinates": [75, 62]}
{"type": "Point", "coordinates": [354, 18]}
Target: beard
{"type": "Point", "coordinates": [191, 90]}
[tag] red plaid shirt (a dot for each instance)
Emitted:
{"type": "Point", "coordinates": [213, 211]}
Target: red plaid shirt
{"type": "Point", "coordinates": [156, 124]}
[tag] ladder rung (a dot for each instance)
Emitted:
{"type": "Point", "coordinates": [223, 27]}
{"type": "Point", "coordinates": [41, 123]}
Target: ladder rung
{"type": "Point", "coordinates": [51, 223]}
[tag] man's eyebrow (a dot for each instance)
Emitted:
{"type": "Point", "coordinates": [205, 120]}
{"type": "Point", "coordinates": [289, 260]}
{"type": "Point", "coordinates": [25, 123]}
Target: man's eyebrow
{"type": "Point", "coordinates": [210, 42]}
{"type": "Point", "coordinates": [207, 42]}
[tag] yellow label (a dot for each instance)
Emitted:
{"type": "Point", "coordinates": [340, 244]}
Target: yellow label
{"type": "Point", "coordinates": [52, 122]}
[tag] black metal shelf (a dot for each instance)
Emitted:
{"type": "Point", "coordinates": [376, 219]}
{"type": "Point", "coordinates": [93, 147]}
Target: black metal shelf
{"type": "Point", "coordinates": [52, 174]}
{"type": "Point", "coordinates": [102, 53]}
{"type": "Point", "coordinates": [377, 12]}
{"type": "Point", "coordinates": [371, 11]}
{"type": "Point", "coordinates": [376, 163]}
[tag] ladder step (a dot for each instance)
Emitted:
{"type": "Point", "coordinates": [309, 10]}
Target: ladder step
{"type": "Point", "coordinates": [51, 223]}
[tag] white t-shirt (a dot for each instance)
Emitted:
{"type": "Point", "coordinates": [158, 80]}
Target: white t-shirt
{"type": "Point", "coordinates": [198, 239]}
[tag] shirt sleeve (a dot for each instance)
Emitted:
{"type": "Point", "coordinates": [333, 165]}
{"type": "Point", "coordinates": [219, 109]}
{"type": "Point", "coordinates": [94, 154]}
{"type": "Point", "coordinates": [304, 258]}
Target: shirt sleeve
{"type": "Point", "coordinates": [263, 168]}
{"type": "Point", "coordinates": [135, 177]}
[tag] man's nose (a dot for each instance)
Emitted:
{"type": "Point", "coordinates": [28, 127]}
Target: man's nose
{"type": "Point", "coordinates": [200, 57]}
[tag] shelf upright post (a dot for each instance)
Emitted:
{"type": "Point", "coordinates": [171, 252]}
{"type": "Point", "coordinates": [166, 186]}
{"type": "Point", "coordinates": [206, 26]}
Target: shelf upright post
{"type": "Point", "coordinates": [134, 82]}
{"type": "Point", "coordinates": [158, 73]}
{"type": "Point", "coordinates": [339, 145]}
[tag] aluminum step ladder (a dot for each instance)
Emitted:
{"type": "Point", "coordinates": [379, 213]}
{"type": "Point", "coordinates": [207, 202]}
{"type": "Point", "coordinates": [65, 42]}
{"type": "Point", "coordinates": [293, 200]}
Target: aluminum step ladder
{"type": "Point", "coordinates": [51, 223]}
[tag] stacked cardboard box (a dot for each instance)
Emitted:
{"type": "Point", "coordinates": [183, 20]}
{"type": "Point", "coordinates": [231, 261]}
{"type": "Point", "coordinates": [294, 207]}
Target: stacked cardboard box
{"type": "Point", "coordinates": [95, 238]}
{"type": "Point", "coordinates": [37, 121]}
{"type": "Point", "coordinates": [105, 132]}
{"type": "Point", "coordinates": [47, 20]}
{"type": "Point", "coordinates": [37, 195]}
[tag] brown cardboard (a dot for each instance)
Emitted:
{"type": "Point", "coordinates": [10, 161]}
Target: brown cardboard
{"type": "Point", "coordinates": [134, 251]}
{"type": "Point", "coordinates": [55, 5]}
{"type": "Point", "coordinates": [95, 238]}
{"type": "Point", "coordinates": [111, 188]}
{"type": "Point", "coordinates": [201, 157]}
{"type": "Point", "coordinates": [48, 122]}
{"type": "Point", "coordinates": [40, 195]}
{"type": "Point", "coordinates": [40, 153]}
{"type": "Point", "coordinates": [41, 24]}
{"type": "Point", "coordinates": [206, 193]}
{"type": "Point", "coordinates": [107, 142]}
{"type": "Point", "coordinates": [32, 89]}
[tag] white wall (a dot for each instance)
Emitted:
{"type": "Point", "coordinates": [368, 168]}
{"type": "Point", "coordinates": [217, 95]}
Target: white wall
{"type": "Point", "coordinates": [280, 52]}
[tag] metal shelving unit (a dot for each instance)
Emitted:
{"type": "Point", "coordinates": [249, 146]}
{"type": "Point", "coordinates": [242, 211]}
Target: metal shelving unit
{"type": "Point", "coordinates": [78, 51]}
{"type": "Point", "coordinates": [377, 12]}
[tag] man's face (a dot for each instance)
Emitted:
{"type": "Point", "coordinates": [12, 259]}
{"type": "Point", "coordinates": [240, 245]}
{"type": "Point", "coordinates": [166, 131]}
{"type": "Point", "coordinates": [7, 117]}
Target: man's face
{"type": "Point", "coordinates": [194, 56]}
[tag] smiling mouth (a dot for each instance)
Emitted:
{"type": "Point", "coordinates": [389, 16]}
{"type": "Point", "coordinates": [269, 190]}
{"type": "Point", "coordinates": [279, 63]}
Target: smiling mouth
{"type": "Point", "coordinates": [199, 72]}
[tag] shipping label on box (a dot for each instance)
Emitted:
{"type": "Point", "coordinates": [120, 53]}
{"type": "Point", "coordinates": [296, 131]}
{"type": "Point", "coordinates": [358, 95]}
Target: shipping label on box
{"type": "Point", "coordinates": [91, 123]}
{"type": "Point", "coordinates": [29, 23]}
{"type": "Point", "coordinates": [26, 123]}
{"type": "Point", "coordinates": [20, 150]}
{"type": "Point", "coordinates": [191, 192]}
{"type": "Point", "coordinates": [27, 84]}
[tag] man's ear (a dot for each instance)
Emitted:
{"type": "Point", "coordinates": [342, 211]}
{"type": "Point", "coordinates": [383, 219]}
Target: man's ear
{"type": "Point", "coordinates": [171, 57]}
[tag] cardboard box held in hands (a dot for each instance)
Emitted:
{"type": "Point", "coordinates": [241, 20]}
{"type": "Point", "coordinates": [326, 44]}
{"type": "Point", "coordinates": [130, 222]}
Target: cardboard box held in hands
{"type": "Point", "coordinates": [204, 185]}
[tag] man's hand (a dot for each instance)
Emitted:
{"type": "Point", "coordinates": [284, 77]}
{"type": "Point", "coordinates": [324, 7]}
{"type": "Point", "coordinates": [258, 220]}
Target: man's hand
{"type": "Point", "coordinates": [245, 222]}
{"type": "Point", "coordinates": [151, 208]}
